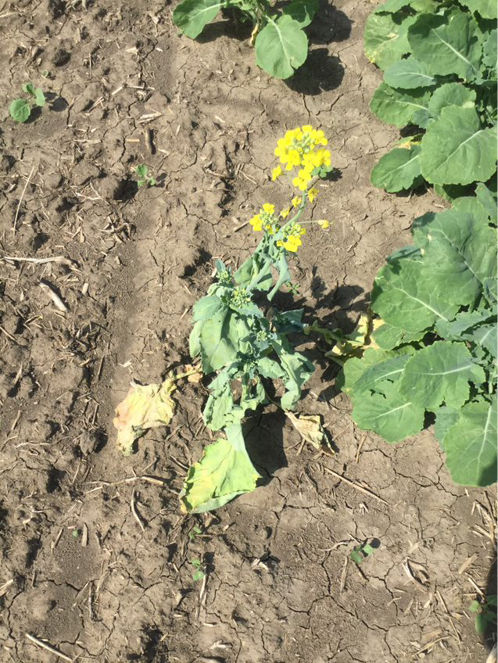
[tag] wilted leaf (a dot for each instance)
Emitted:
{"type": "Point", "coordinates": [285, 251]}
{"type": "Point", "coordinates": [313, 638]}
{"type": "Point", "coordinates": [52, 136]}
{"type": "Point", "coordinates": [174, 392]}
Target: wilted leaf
{"type": "Point", "coordinates": [309, 427]}
{"type": "Point", "coordinates": [224, 472]}
{"type": "Point", "coordinates": [145, 406]}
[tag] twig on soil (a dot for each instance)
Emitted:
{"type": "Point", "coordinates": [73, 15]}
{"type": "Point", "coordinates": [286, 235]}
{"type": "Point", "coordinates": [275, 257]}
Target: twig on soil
{"type": "Point", "coordinates": [135, 512]}
{"type": "Point", "coordinates": [366, 491]}
{"type": "Point", "coordinates": [5, 586]}
{"type": "Point", "coordinates": [468, 562]}
{"type": "Point", "coordinates": [48, 647]}
{"type": "Point", "coordinates": [14, 227]}
{"type": "Point", "coordinates": [457, 634]}
{"type": "Point", "coordinates": [39, 261]}
{"type": "Point", "coordinates": [49, 289]}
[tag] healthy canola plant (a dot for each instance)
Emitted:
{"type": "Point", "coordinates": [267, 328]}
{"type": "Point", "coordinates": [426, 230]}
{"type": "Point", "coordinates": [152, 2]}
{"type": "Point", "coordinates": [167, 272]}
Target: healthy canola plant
{"type": "Point", "coordinates": [278, 35]}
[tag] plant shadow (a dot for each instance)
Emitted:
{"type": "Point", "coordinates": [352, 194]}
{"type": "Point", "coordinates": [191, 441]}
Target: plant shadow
{"type": "Point", "coordinates": [263, 434]}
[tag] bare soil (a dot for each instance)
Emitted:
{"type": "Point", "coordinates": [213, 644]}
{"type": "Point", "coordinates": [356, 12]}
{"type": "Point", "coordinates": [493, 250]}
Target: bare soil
{"type": "Point", "coordinates": [83, 571]}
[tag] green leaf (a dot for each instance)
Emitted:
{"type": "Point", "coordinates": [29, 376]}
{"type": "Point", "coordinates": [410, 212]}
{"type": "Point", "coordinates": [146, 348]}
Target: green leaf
{"type": "Point", "coordinates": [406, 296]}
{"type": "Point", "coordinates": [398, 170]}
{"type": "Point", "coordinates": [20, 110]}
{"type": "Point", "coordinates": [489, 51]}
{"type": "Point", "coordinates": [206, 307]}
{"type": "Point", "coordinates": [447, 44]}
{"type": "Point", "coordinates": [459, 250]}
{"type": "Point", "coordinates": [470, 444]}
{"type": "Point", "coordinates": [224, 472]}
{"type": "Point", "coordinates": [386, 39]}
{"type": "Point", "coordinates": [355, 367]}
{"type": "Point", "coordinates": [218, 411]}
{"type": "Point", "coordinates": [372, 379]}
{"type": "Point", "coordinates": [487, 198]}
{"type": "Point", "coordinates": [255, 273]}
{"type": "Point", "coordinates": [29, 88]}
{"type": "Point", "coordinates": [486, 8]}
{"type": "Point", "coordinates": [269, 368]}
{"type": "Point", "coordinates": [457, 150]}
{"type": "Point", "coordinates": [484, 336]}
{"type": "Point", "coordinates": [388, 337]}
{"type": "Point", "coordinates": [441, 373]}
{"type": "Point", "coordinates": [464, 321]}
{"type": "Point", "coordinates": [39, 97]}
{"type": "Point", "coordinates": [391, 6]}
{"type": "Point", "coordinates": [472, 205]}
{"type": "Point", "coordinates": [298, 370]}
{"type": "Point", "coordinates": [389, 414]}
{"type": "Point", "coordinates": [302, 11]}
{"type": "Point", "coordinates": [445, 418]}
{"type": "Point", "coordinates": [191, 16]}
{"type": "Point", "coordinates": [398, 107]}
{"type": "Point", "coordinates": [219, 339]}
{"type": "Point", "coordinates": [408, 74]}
{"type": "Point", "coordinates": [451, 94]}
{"type": "Point", "coordinates": [281, 47]}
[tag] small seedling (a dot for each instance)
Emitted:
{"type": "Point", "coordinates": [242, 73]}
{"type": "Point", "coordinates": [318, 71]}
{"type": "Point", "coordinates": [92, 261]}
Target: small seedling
{"type": "Point", "coordinates": [20, 109]}
{"type": "Point", "coordinates": [485, 612]}
{"type": "Point", "coordinates": [143, 176]}
{"type": "Point", "coordinates": [75, 533]}
{"type": "Point", "coordinates": [194, 532]}
{"type": "Point", "coordinates": [199, 572]}
{"type": "Point", "coordinates": [360, 553]}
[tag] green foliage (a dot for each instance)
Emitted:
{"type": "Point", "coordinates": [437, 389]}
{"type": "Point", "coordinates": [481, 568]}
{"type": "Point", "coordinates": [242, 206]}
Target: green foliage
{"type": "Point", "coordinates": [20, 109]}
{"type": "Point", "coordinates": [361, 552]}
{"type": "Point", "coordinates": [144, 178]}
{"type": "Point", "coordinates": [199, 572]}
{"type": "Point", "coordinates": [439, 63]}
{"type": "Point", "coordinates": [435, 349]}
{"type": "Point", "coordinates": [485, 613]}
{"type": "Point", "coordinates": [280, 41]}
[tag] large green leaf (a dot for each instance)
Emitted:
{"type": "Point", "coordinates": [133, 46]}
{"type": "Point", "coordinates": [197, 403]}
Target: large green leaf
{"type": "Point", "coordinates": [281, 47]}
{"type": "Point", "coordinates": [445, 418]}
{"type": "Point", "coordinates": [486, 8]}
{"type": "Point", "coordinates": [255, 272]}
{"type": "Point", "coordinates": [441, 373]}
{"type": "Point", "coordinates": [389, 414]}
{"type": "Point", "coordinates": [191, 16]}
{"type": "Point", "coordinates": [485, 336]}
{"type": "Point", "coordinates": [457, 250]}
{"type": "Point", "coordinates": [224, 472]}
{"type": "Point", "coordinates": [406, 296]}
{"type": "Point", "coordinates": [408, 74]}
{"type": "Point", "coordinates": [488, 199]}
{"type": "Point", "coordinates": [398, 107]}
{"type": "Point", "coordinates": [470, 444]}
{"type": "Point", "coordinates": [386, 39]}
{"type": "Point", "coordinates": [447, 44]}
{"type": "Point", "coordinates": [456, 149]}
{"type": "Point", "coordinates": [397, 170]}
{"type": "Point", "coordinates": [451, 94]}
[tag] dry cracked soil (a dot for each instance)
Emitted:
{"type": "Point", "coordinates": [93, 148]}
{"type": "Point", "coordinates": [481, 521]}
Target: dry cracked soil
{"type": "Point", "coordinates": [96, 561]}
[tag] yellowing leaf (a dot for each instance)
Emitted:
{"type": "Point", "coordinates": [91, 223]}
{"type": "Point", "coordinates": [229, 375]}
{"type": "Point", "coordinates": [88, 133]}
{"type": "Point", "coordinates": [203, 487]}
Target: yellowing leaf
{"type": "Point", "coordinates": [357, 340]}
{"type": "Point", "coordinates": [223, 472]}
{"type": "Point", "coordinates": [309, 427]}
{"type": "Point", "coordinates": [145, 406]}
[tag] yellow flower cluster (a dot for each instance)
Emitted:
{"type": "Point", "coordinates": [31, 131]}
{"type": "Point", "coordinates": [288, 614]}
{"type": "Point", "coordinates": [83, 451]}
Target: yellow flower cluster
{"type": "Point", "coordinates": [292, 237]}
{"type": "Point", "coordinates": [265, 219]}
{"type": "Point", "coordinates": [302, 148]}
